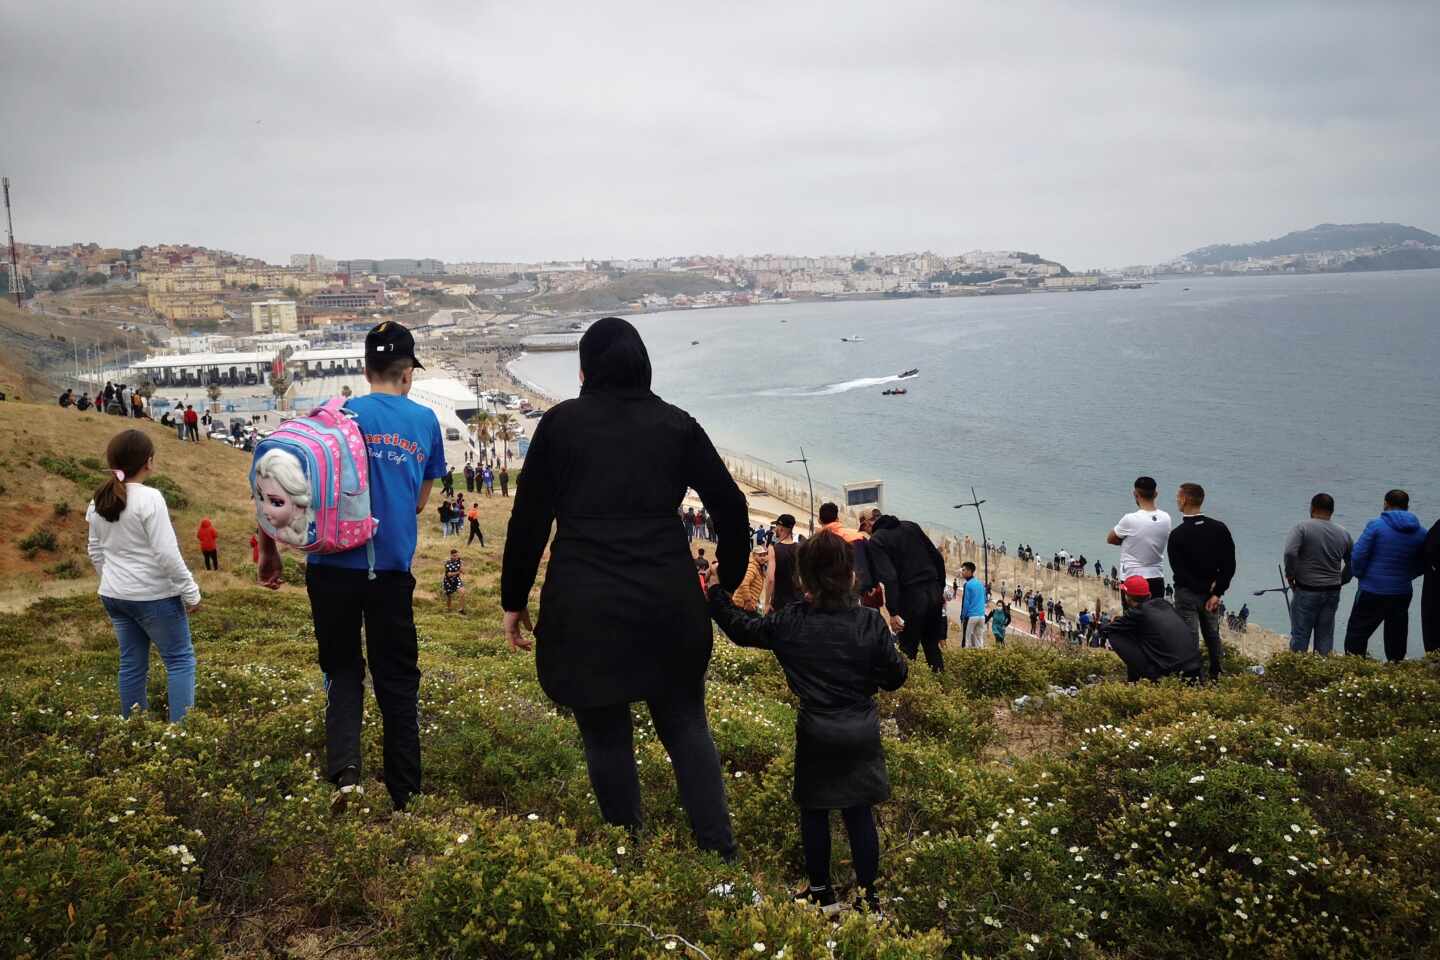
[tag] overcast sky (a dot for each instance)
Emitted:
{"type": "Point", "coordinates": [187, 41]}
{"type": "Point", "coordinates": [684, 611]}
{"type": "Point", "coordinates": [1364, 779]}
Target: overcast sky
{"type": "Point", "coordinates": [1098, 134]}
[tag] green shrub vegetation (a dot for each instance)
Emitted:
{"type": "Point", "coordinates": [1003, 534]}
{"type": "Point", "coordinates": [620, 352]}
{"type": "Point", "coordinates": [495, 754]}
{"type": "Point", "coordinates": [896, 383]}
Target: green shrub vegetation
{"type": "Point", "coordinates": [1290, 814]}
{"type": "Point", "coordinates": [42, 539]}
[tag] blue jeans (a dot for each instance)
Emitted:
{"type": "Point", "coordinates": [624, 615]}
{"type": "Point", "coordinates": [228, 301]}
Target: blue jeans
{"type": "Point", "coordinates": [1313, 611]}
{"type": "Point", "coordinates": [164, 623]}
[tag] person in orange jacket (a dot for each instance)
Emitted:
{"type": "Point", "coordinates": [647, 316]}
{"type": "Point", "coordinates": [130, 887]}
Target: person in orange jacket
{"type": "Point", "coordinates": [208, 536]}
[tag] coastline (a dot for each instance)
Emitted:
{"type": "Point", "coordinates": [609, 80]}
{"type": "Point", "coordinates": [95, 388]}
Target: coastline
{"type": "Point", "coordinates": [770, 491]}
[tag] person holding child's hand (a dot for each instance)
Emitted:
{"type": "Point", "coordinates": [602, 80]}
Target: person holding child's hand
{"type": "Point", "coordinates": [836, 654]}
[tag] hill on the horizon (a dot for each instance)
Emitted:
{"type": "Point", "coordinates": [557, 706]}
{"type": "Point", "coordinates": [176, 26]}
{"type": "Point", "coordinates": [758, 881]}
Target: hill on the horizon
{"type": "Point", "coordinates": [1318, 239]}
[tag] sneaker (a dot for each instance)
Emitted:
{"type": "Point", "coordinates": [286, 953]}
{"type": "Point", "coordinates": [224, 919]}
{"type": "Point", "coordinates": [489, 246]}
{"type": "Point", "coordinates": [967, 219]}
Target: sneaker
{"type": "Point", "coordinates": [822, 897]}
{"type": "Point", "coordinates": [347, 788]}
{"type": "Point", "coordinates": [868, 903]}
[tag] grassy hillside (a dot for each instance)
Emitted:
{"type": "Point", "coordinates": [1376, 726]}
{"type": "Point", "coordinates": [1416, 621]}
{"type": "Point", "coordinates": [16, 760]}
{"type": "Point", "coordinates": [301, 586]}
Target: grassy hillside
{"type": "Point", "coordinates": [1290, 814]}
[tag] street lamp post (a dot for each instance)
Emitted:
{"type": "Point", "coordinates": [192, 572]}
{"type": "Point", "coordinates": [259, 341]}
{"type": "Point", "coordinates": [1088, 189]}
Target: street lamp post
{"type": "Point", "coordinates": [984, 540]}
{"type": "Point", "coordinates": [806, 463]}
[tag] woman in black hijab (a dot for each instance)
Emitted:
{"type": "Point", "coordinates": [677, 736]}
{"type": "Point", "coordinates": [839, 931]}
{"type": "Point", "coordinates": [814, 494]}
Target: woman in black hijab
{"type": "Point", "coordinates": [622, 617]}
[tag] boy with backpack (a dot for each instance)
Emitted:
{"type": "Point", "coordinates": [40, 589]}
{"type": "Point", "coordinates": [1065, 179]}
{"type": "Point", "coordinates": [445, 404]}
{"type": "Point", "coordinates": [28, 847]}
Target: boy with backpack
{"type": "Point", "coordinates": [371, 584]}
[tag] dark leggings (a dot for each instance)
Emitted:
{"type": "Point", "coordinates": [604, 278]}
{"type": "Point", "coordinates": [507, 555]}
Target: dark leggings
{"type": "Point", "coordinates": [680, 721]}
{"type": "Point", "coordinates": [864, 844]}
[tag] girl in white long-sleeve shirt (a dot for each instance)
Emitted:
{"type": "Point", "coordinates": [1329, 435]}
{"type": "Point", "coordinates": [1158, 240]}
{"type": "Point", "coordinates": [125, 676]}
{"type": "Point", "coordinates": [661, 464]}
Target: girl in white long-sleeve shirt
{"type": "Point", "coordinates": [144, 584]}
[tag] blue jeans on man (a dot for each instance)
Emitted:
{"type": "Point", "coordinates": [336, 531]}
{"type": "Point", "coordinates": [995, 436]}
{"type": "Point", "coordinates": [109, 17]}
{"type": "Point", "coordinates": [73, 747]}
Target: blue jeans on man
{"type": "Point", "coordinates": [166, 625]}
{"type": "Point", "coordinates": [1313, 612]}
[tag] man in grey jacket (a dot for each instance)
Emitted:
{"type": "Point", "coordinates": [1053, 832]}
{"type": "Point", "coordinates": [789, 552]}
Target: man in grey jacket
{"type": "Point", "coordinates": [1317, 564]}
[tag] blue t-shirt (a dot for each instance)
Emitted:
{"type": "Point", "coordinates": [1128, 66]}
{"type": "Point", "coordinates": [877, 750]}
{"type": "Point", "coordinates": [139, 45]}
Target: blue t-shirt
{"type": "Point", "coordinates": [972, 603]}
{"type": "Point", "coordinates": [406, 449]}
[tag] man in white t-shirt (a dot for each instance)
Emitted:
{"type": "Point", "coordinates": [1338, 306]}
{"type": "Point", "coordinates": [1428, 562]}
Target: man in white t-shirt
{"type": "Point", "coordinates": [1142, 537]}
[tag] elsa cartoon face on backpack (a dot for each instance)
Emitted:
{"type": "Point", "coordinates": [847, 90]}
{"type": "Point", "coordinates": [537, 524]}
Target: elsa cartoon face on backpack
{"type": "Point", "coordinates": [282, 496]}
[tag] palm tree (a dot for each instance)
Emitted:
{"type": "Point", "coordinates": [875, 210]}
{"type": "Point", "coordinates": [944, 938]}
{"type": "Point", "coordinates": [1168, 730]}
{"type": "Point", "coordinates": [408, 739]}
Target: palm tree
{"type": "Point", "coordinates": [480, 426]}
{"type": "Point", "coordinates": [345, 391]}
{"type": "Point", "coordinates": [278, 386]}
{"type": "Point", "coordinates": [505, 432]}
{"type": "Point", "coordinates": [213, 392]}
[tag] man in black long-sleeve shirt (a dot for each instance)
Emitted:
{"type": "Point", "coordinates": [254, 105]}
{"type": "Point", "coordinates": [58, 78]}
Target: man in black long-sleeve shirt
{"type": "Point", "coordinates": [902, 557]}
{"type": "Point", "coordinates": [1202, 557]}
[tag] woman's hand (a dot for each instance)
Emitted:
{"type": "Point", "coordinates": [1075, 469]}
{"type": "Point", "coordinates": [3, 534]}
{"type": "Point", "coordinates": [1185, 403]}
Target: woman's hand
{"type": "Point", "coordinates": [712, 575]}
{"type": "Point", "coordinates": [514, 620]}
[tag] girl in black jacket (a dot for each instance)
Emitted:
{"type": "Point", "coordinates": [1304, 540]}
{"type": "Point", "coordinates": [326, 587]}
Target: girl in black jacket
{"type": "Point", "coordinates": [835, 654]}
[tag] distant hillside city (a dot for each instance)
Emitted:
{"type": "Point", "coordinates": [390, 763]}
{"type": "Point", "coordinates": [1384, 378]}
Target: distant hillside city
{"type": "Point", "coordinates": [198, 288]}
{"type": "Point", "coordinates": [1325, 248]}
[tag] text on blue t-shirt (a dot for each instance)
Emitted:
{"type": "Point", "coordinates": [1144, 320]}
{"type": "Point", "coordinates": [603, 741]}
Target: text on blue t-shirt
{"type": "Point", "coordinates": [406, 449]}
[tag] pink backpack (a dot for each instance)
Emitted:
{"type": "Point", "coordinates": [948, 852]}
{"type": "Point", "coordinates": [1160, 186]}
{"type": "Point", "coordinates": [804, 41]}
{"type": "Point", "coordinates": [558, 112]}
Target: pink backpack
{"type": "Point", "coordinates": [335, 465]}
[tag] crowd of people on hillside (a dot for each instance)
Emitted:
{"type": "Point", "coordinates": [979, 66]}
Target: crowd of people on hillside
{"type": "Point", "coordinates": [844, 612]}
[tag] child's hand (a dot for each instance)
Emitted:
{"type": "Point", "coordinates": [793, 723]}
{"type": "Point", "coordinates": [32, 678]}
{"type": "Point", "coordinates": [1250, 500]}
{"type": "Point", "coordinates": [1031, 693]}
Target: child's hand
{"type": "Point", "coordinates": [712, 575]}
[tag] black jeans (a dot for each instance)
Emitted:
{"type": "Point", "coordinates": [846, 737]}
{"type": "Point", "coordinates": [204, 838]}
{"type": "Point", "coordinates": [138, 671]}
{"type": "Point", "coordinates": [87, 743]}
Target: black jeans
{"type": "Point", "coordinates": [1157, 587]}
{"type": "Point", "coordinates": [921, 609]}
{"type": "Point", "coordinates": [1370, 611]}
{"type": "Point", "coordinates": [340, 602]}
{"type": "Point", "coordinates": [1191, 607]}
{"type": "Point", "coordinates": [475, 534]}
{"type": "Point", "coordinates": [682, 727]}
{"type": "Point", "coordinates": [864, 845]}
{"type": "Point", "coordinates": [212, 559]}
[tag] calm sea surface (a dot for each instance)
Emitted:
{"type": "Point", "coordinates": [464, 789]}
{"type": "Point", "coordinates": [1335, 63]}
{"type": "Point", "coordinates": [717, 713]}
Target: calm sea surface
{"type": "Point", "coordinates": [1265, 390]}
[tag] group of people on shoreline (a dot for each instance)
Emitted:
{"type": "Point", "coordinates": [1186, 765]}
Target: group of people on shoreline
{"type": "Point", "coordinates": [621, 620]}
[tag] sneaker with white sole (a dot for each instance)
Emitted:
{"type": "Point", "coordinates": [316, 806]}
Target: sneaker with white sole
{"type": "Point", "coordinates": [822, 897]}
{"type": "Point", "coordinates": [347, 788]}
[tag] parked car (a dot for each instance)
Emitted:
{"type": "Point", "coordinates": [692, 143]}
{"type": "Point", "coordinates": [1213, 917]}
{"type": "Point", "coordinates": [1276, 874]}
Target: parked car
{"type": "Point", "coordinates": [452, 433]}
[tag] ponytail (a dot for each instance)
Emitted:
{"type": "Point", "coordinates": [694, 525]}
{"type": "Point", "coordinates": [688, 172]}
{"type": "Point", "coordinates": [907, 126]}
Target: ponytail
{"type": "Point", "coordinates": [127, 454]}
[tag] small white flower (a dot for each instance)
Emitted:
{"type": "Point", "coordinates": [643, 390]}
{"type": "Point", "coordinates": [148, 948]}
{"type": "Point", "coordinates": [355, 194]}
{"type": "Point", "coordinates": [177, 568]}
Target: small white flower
{"type": "Point", "coordinates": [533, 816]}
{"type": "Point", "coordinates": [620, 851]}
{"type": "Point", "coordinates": [1257, 861]}
{"type": "Point", "coordinates": [255, 764]}
{"type": "Point", "coordinates": [759, 947]}
{"type": "Point", "coordinates": [462, 838]}
{"type": "Point", "coordinates": [671, 944]}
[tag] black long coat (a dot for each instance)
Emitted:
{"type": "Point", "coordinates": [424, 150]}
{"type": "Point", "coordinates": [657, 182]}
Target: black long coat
{"type": "Point", "coordinates": [622, 616]}
{"type": "Point", "coordinates": [834, 662]}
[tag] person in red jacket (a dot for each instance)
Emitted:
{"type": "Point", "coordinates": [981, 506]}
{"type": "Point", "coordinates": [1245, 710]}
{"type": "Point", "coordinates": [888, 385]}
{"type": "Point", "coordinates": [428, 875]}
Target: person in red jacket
{"type": "Point", "coordinates": [208, 536]}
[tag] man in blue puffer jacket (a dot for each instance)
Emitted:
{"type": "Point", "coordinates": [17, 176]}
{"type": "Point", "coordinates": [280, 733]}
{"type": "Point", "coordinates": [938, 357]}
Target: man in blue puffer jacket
{"type": "Point", "coordinates": [1388, 555]}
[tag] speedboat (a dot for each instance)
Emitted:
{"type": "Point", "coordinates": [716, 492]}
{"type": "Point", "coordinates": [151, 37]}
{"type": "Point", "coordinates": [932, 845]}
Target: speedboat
{"type": "Point", "coordinates": [894, 392]}
{"type": "Point", "coordinates": [912, 372]}
{"type": "Point", "coordinates": [694, 343]}
{"type": "Point", "coordinates": [852, 339]}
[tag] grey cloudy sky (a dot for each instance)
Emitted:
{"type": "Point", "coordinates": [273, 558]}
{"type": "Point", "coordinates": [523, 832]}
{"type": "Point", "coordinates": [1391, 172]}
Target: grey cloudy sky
{"type": "Point", "coordinates": [1098, 134]}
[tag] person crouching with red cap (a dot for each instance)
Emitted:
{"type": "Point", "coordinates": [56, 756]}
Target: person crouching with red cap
{"type": "Point", "coordinates": [1151, 637]}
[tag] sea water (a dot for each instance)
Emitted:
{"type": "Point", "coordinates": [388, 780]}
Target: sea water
{"type": "Point", "coordinates": [1265, 390]}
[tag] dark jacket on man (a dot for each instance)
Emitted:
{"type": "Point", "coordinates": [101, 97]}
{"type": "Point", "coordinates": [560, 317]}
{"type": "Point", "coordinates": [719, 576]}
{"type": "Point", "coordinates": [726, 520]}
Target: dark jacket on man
{"type": "Point", "coordinates": [902, 558]}
{"type": "Point", "coordinates": [1202, 555]}
{"type": "Point", "coordinates": [834, 662]}
{"type": "Point", "coordinates": [620, 616]}
{"type": "Point", "coordinates": [1154, 642]}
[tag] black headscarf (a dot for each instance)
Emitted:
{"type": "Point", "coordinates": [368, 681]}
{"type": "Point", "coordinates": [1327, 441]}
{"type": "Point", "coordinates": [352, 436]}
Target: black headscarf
{"type": "Point", "coordinates": [613, 357]}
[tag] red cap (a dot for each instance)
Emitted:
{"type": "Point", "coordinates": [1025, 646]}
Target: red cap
{"type": "Point", "coordinates": [1136, 586]}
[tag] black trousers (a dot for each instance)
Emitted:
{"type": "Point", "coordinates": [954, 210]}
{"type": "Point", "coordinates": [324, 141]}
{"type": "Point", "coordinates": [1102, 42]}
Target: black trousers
{"type": "Point", "coordinates": [1430, 612]}
{"type": "Point", "coordinates": [1370, 611]}
{"type": "Point", "coordinates": [921, 609]}
{"type": "Point", "coordinates": [341, 601]}
{"type": "Point", "coordinates": [212, 559]}
{"type": "Point", "coordinates": [475, 534]}
{"type": "Point", "coordinates": [864, 845]}
{"type": "Point", "coordinates": [1157, 587]}
{"type": "Point", "coordinates": [680, 722]}
{"type": "Point", "coordinates": [469, 484]}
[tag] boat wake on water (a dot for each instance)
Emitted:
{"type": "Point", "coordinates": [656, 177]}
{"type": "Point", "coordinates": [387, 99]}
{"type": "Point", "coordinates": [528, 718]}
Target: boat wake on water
{"type": "Point", "coordinates": [830, 389]}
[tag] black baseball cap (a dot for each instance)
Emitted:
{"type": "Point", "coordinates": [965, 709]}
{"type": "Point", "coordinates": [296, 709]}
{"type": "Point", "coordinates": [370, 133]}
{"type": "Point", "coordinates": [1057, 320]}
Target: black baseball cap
{"type": "Point", "coordinates": [785, 520]}
{"type": "Point", "coordinates": [388, 341]}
